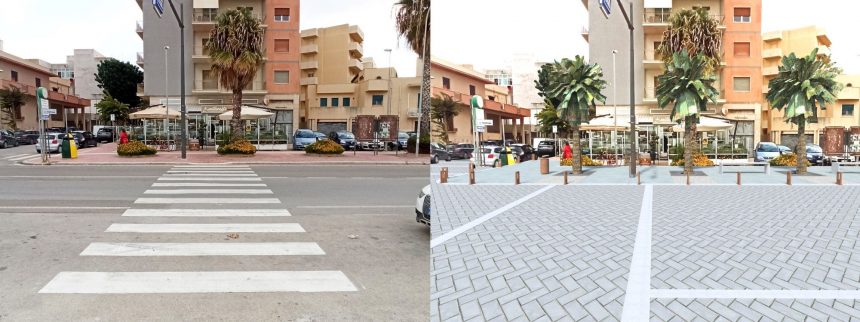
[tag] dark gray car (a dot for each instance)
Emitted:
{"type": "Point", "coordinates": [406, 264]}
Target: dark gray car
{"type": "Point", "coordinates": [303, 138]}
{"type": "Point", "coordinates": [7, 139]}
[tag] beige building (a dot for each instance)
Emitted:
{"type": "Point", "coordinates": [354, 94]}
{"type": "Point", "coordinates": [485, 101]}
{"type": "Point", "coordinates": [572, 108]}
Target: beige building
{"type": "Point", "coordinates": [338, 83]}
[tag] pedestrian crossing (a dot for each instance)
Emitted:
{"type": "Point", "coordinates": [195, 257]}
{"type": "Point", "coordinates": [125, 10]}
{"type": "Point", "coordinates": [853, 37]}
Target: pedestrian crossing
{"type": "Point", "coordinates": [200, 193]}
{"type": "Point", "coordinates": [19, 157]}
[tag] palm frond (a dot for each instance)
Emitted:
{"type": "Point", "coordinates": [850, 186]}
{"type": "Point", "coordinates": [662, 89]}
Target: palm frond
{"type": "Point", "coordinates": [803, 86]}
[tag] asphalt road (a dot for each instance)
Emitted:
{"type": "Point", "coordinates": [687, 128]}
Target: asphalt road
{"type": "Point", "coordinates": [358, 223]}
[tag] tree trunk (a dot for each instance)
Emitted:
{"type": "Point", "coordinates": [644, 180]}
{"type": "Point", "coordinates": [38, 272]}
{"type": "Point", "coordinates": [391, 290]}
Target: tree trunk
{"type": "Point", "coordinates": [689, 142]}
{"type": "Point", "coordinates": [237, 131]}
{"type": "Point", "coordinates": [800, 150]}
{"type": "Point", "coordinates": [424, 121]}
{"type": "Point", "coordinates": [577, 150]}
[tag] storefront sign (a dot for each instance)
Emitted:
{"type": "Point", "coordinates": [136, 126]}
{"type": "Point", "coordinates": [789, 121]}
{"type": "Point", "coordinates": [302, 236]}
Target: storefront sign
{"type": "Point", "coordinates": [213, 109]}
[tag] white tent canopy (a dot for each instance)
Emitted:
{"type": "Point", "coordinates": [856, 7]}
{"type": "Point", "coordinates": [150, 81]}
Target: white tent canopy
{"type": "Point", "coordinates": [606, 123]}
{"type": "Point", "coordinates": [158, 112]}
{"type": "Point", "coordinates": [248, 113]}
{"type": "Point", "coordinates": [706, 124]}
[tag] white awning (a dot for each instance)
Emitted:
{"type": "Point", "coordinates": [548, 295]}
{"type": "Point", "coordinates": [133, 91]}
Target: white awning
{"type": "Point", "coordinates": [205, 4]}
{"type": "Point", "coordinates": [650, 4]}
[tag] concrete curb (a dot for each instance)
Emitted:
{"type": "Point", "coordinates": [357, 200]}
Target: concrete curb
{"type": "Point", "coordinates": [383, 163]}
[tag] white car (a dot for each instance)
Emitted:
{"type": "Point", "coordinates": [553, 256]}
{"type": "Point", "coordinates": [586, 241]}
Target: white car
{"type": "Point", "coordinates": [489, 156]}
{"type": "Point", "coordinates": [422, 206]}
{"type": "Point", "coordinates": [55, 140]}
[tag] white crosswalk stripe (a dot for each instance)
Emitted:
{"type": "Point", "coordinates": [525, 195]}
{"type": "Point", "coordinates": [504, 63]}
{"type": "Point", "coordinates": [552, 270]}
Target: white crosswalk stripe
{"type": "Point", "coordinates": [21, 157]}
{"type": "Point", "coordinates": [196, 185]}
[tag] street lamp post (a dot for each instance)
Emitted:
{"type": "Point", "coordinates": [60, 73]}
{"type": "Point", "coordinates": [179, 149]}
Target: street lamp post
{"type": "Point", "coordinates": [389, 80]}
{"type": "Point", "coordinates": [166, 97]}
{"type": "Point", "coordinates": [180, 20]}
{"type": "Point", "coordinates": [633, 142]}
{"type": "Point", "coordinates": [614, 109]}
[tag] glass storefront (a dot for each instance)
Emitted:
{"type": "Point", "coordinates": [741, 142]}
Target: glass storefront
{"type": "Point", "coordinates": [274, 132]}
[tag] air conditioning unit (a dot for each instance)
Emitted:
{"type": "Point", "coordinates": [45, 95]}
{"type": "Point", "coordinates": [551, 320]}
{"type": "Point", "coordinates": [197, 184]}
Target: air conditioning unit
{"type": "Point", "coordinates": [413, 113]}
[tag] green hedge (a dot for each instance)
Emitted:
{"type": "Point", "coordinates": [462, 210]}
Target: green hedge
{"type": "Point", "coordinates": [324, 147]}
{"type": "Point", "coordinates": [240, 146]}
{"type": "Point", "coordinates": [134, 148]}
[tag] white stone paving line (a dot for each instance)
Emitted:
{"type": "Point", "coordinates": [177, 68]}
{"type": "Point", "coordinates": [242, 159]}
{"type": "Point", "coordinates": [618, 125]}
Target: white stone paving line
{"type": "Point", "coordinates": [206, 228]}
{"type": "Point", "coordinates": [459, 230]}
{"type": "Point", "coordinates": [213, 172]}
{"type": "Point", "coordinates": [22, 158]}
{"type": "Point", "coordinates": [206, 200]}
{"type": "Point", "coordinates": [16, 156]}
{"type": "Point", "coordinates": [211, 166]}
{"type": "Point", "coordinates": [757, 294]}
{"type": "Point", "coordinates": [637, 303]}
{"type": "Point", "coordinates": [208, 191]}
{"type": "Point", "coordinates": [207, 184]}
{"type": "Point", "coordinates": [207, 179]}
{"type": "Point", "coordinates": [198, 282]}
{"type": "Point", "coordinates": [206, 213]}
{"type": "Point", "coordinates": [202, 249]}
{"type": "Point", "coordinates": [169, 175]}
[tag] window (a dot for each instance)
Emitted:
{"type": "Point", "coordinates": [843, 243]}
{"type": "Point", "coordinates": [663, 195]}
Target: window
{"type": "Point", "coordinates": [209, 82]}
{"type": "Point", "coordinates": [742, 84]}
{"type": "Point", "coordinates": [446, 83]}
{"type": "Point", "coordinates": [742, 49]}
{"type": "Point", "coordinates": [14, 76]}
{"type": "Point", "coordinates": [335, 102]}
{"type": "Point", "coordinates": [742, 15]}
{"type": "Point", "coordinates": [706, 8]}
{"type": "Point", "coordinates": [323, 102]}
{"type": "Point", "coordinates": [205, 47]}
{"type": "Point", "coordinates": [491, 97]}
{"type": "Point", "coordinates": [377, 100]}
{"type": "Point", "coordinates": [471, 89]}
{"type": "Point", "coordinates": [282, 45]}
{"type": "Point", "coordinates": [282, 14]}
{"type": "Point", "coordinates": [847, 109]}
{"type": "Point", "coordinates": [38, 82]}
{"type": "Point", "coordinates": [282, 77]}
{"type": "Point", "coordinates": [657, 55]}
{"type": "Point", "coordinates": [346, 102]}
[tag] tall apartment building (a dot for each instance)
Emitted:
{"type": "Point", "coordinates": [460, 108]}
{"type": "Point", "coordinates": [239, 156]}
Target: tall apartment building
{"type": "Point", "coordinates": [338, 83]}
{"type": "Point", "coordinates": [833, 119]}
{"type": "Point", "coordinates": [524, 74]}
{"type": "Point", "coordinates": [275, 86]}
{"type": "Point", "coordinates": [738, 80]}
{"type": "Point", "coordinates": [81, 68]}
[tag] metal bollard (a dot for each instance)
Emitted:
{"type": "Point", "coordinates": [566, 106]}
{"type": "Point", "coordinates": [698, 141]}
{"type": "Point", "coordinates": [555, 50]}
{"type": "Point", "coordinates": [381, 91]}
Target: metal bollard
{"type": "Point", "coordinates": [443, 175]}
{"type": "Point", "coordinates": [688, 178]}
{"type": "Point", "coordinates": [839, 178]}
{"type": "Point", "coordinates": [565, 177]}
{"type": "Point", "coordinates": [517, 177]}
{"type": "Point", "coordinates": [788, 178]}
{"type": "Point", "coordinates": [739, 178]}
{"type": "Point", "coordinates": [638, 178]}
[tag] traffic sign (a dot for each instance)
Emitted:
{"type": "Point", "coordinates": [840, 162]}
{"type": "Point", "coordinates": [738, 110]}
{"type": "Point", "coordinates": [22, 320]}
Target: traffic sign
{"type": "Point", "coordinates": [486, 122]}
{"type": "Point", "coordinates": [555, 129]}
{"type": "Point", "coordinates": [480, 128]}
{"type": "Point", "coordinates": [112, 117]}
{"type": "Point", "coordinates": [51, 111]}
{"type": "Point", "coordinates": [158, 6]}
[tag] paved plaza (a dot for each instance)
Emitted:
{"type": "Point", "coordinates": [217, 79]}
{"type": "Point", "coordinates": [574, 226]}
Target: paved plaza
{"type": "Point", "coordinates": [649, 252]}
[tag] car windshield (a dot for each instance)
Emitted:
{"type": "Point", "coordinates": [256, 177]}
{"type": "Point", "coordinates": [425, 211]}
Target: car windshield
{"type": "Point", "coordinates": [403, 136]}
{"type": "Point", "coordinates": [346, 135]}
{"type": "Point", "coordinates": [813, 149]}
{"type": "Point", "coordinates": [767, 147]}
{"type": "Point", "coordinates": [465, 146]}
{"type": "Point", "coordinates": [305, 134]}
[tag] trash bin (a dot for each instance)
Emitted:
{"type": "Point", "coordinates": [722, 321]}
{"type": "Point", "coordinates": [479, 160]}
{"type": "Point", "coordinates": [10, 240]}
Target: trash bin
{"type": "Point", "coordinates": [503, 156]}
{"type": "Point", "coordinates": [544, 165]}
{"type": "Point", "coordinates": [66, 147]}
{"type": "Point", "coordinates": [73, 147]}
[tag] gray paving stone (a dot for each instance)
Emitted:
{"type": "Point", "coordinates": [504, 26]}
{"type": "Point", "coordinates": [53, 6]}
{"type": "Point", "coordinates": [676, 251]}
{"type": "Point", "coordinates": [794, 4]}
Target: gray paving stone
{"type": "Point", "coordinates": [752, 310]}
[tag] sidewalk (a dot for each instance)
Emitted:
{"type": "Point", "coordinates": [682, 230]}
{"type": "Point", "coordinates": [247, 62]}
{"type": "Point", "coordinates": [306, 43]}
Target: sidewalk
{"type": "Point", "coordinates": [105, 154]}
{"type": "Point", "coordinates": [530, 174]}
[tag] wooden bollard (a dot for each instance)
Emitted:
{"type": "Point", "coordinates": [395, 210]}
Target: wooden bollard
{"type": "Point", "coordinates": [565, 177]}
{"type": "Point", "coordinates": [638, 178]}
{"type": "Point", "coordinates": [517, 177]}
{"type": "Point", "coordinates": [739, 178]}
{"type": "Point", "coordinates": [443, 175]}
{"type": "Point", "coordinates": [688, 178]}
{"type": "Point", "coordinates": [788, 178]}
{"type": "Point", "coordinates": [839, 178]}
{"type": "Point", "coordinates": [471, 174]}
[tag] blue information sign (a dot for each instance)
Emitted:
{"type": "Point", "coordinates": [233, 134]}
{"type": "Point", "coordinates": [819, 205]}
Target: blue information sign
{"type": "Point", "coordinates": [605, 6]}
{"type": "Point", "coordinates": [158, 6]}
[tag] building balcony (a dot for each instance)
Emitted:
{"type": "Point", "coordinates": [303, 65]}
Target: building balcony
{"type": "Point", "coordinates": [310, 33]}
{"type": "Point", "coordinates": [309, 81]}
{"type": "Point", "coordinates": [200, 55]}
{"type": "Point", "coordinates": [211, 86]}
{"type": "Point", "coordinates": [413, 113]}
{"type": "Point", "coordinates": [823, 50]}
{"type": "Point", "coordinates": [74, 101]}
{"type": "Point", "coordinates": [356, 50]}
{"type": "Point", "coordinates": [310, 65]}
{"type": "Point", "coordinates": [771, 53]}
{"type": "Point", "coordinates": [139, 3]}
{"type": "Point", "coordinates": [584, 33]}
{"type": "Point", "coordinates": [655, 21]}
{"type": "Point", "coordinates": [140, 90]}
{"type": "Point", "coordinates": [140, 59]}
{"type": "Point", "coordinates": [770, 71]}
{"type": "Point", "coordinates": [771, 36]}
{"type": "Point", "coordinates": [309, 49]}
{"type": "Point", "coordinates": [139, 29]}
{"type": "Point", "coordinates": [29, 90]}
{"type": "Point", "coordinates": [653, 64]}
{"type": "Point", "coordinates": [356, 65]}
{"type": "Point", "coordinates": [356, 34]}
{"type": "Point", "coordinates": [377, 85]}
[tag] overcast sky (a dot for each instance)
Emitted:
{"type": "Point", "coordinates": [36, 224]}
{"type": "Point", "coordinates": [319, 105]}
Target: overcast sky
{"type": "Point", "coordinates": [487, 32]}
{"type": "Point", "coordinates": [51, 29]}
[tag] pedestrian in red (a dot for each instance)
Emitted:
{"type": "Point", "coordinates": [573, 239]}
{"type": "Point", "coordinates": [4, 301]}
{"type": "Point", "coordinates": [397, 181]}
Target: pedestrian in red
{"type": "Point", "coordinates": [568, 153]}
{"type": "Point", "coordinates": [123, 137]}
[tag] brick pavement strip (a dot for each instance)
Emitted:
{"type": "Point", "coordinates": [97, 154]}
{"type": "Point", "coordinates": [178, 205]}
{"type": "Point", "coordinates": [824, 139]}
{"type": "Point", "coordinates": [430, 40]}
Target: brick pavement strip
{"type": "Point", "coordinates": [554, 257]}
{"type": "Point", "coordinates": [754, 310]}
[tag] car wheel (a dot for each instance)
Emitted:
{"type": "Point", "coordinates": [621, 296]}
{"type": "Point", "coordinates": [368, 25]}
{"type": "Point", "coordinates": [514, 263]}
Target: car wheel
{"type": "Point", "coordinates": [3, 145]}
{"type": "Point", "coordinates": [434, 159]}
{"type": "Point", "coordinates": [448, 158]}
{"type": "Point", "coordinates": [497, 164]}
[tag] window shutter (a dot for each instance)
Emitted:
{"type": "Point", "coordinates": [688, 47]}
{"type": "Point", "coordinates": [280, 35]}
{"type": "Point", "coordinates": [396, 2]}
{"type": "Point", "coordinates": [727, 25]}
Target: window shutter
{"type": "Point", "coordinates": [742, 49]}
{"type": "Point", "coordinates": [742, 12]}
{"type": "Point", "coordinates": [282, 45]}
{"type": "Point", "coordinates": [282, 11]}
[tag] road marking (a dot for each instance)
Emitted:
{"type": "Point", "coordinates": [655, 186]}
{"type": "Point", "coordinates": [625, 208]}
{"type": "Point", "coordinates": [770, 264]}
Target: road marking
{"type": "Point", "coordinates": [198, 282]}
{"type": "Point", "coordinates": [637, 303]}
{"type": "Point", "coordinates": [205, 200]}
{"type": "Point", "coordinates": [350, 207]}
{"type": "Point", "coordinates": [207, 213]}
{"type": "Point", "coordinates": [459, 230]}
{"type": "Point", "coordinates": [209, 191]}
{"type": "Point", "coordinates": [207, 179]}
{"type": "Point", "coordinates": [211, 174]}
{"type": "Point", "coordinates": [59, 208]}
{"type": "Point", "coordinates": [21, 157]}
{"type": "Point", "coordinates": [206, 228]}
{"type": "Point", "coordinates": [757, 294]}
{"type": "Point", "coordinates": [202, 249]}
{"type": "Point", "coordinates": [211, 166]}
{"type": "Point", "coordinates": [15, 156]}
{"type": "Point", "coordinates": [205, 184]}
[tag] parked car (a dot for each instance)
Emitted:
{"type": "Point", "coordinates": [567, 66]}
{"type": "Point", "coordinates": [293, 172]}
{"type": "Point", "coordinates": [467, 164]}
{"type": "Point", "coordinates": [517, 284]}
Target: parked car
{"type": "Point", "coordinates": [344, 138]}
{"type": "Point", "coordinates": [462, 151]}
{"type": "Point", "coordinates": [814, 154]}
{"type": "Point", "coordinates": [53, 143]}
{"type": "Point", "coordinates": [491, 156]}
{"type": "Point", "coordinates": [784, 149]}
{"type": "Point", "coordinates": [371, 145]}
{"type": "Point", "coordinates": [402, 138]}
{"type": "Point", "coordinates": [766, 151]}
{"type": "Point", "coordinates": [303, 138]}
{"type": "Point", "coordinates": [524, 152]}
{"type": "Point", "coordinates": [321, 136]}
{"type": "Point", "coordinates": [24, 137]}
{"type": "Point", "coordinates": [491, 143]}
{"type": "Point", "coordinates": [85, 139]}
{"type": "Point", "coordinates": [438, 152]}
{"type": "Point", "coordinates": [545, 148]}
{"type": "Point", "coordinates": [422, 206]}
{"type": "Point", "coordinates": [7, 139]}
{"type": "Point", "coordinates": [105, 134]}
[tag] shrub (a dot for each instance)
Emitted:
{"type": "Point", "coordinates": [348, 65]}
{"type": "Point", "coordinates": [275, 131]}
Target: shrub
{"type": "Point", "coordinates": [324, 147]}
{"type": "Point", "coordinates": [787, 160]}
{"type": "Point", "coordinates": [425, 144]}
{"type": "Point", "coordinates": [134, 148]}
{"type": "Point", "coordinates": [586, 162]}
{"type": "Point", "coordinates": [699, 160]}
{"type": "Point", "coordinates": [240, 146]}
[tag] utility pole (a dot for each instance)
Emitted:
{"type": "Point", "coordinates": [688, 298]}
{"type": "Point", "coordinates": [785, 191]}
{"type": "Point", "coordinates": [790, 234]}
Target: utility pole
{"type": "Point", "coordinates": [633, 142]}
{"type": "Point", "coordinates": [179, 20]}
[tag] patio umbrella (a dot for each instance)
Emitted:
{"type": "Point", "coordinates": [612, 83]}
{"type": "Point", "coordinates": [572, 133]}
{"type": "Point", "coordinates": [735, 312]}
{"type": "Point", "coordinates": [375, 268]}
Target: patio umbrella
{"type": "Point", "coordinates": [706, 124]}
{"type": "Point", "coordinates": [158, 112]}
{"type": "Point", "coordinates": [605, 124]}
{"type": "Point", "coordinates": [248, 113]}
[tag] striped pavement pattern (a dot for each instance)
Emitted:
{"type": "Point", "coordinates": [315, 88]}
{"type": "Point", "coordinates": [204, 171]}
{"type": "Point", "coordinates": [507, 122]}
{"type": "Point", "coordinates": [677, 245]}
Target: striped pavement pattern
{"type": "Point", "coordinates": [20, 157]}
{"type": "Point", "coordinates": [201, 191]}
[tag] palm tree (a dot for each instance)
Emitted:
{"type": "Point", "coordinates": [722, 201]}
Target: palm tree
{"type": "Point", "coordinates": [412, 21]}
{"type": "Point", "coordinates": [443, 108]}
{"type": "Point", "coordinates": [236, 49]}
{"type": "Point", "coordinates": [11, 99]}
{"type": "Point", "coordinates": [688, 87]}
{"type": "Point", "coordinates": [576, 85]}
{"type": "Point", "coordinates": [802, 86]}
{"type": "Point", "coordinates": [548, 117]}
